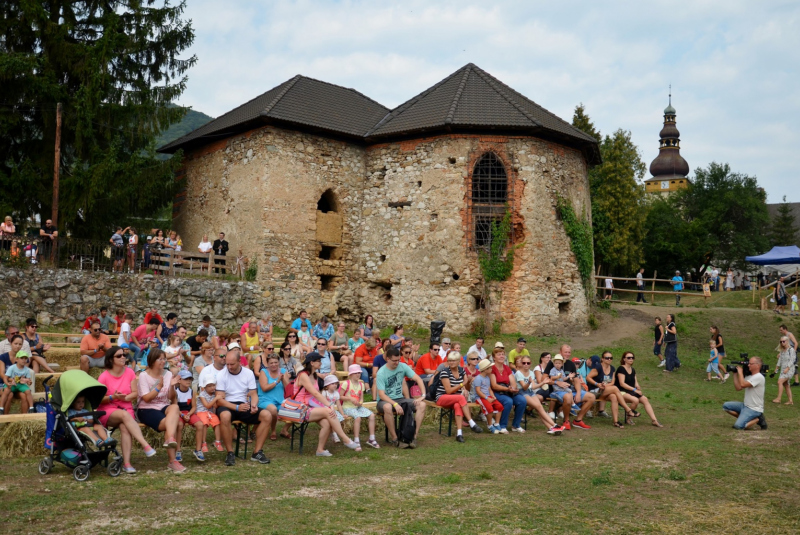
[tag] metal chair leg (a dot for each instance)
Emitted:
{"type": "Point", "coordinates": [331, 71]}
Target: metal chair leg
{"type": "Point", "coordinates": [238, 435]}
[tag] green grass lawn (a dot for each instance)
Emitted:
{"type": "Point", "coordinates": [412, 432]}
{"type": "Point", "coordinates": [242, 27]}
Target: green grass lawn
{"type": "Point", "coordinates": [695, 475]}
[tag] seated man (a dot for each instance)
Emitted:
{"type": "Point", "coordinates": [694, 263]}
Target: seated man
{"type": "Point", "coordinates": [237, 401]}
{"type": "Point", "coordinates": [429, 362]}
{"type": "Point", "coordinates": [750, 412]}
{"type": "Point", "coordinates": [302, 320]}
{"type": "Point", "coordinates": [93, 348]}
{"type": "Point", "coordinates": [195, 342]}
{"type": "Point", "coordinates": [390, 382]}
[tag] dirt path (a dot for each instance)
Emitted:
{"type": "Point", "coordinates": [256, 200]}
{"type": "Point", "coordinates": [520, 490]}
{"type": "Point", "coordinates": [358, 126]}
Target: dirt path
{"type": "Point", "coordinates": [631, 322]}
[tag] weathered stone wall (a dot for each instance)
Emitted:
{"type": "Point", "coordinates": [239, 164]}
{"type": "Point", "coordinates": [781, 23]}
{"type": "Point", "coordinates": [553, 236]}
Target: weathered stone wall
{"type": "Point", "coordinates": [58, 296]}
{"type": "Point", "coordinates": [395, 239]}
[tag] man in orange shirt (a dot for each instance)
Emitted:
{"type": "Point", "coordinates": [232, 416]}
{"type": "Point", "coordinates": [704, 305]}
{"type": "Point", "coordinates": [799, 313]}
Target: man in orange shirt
{"type": "Point", "coordinates": [429, 362]}
{"type": "Point", "coordinates": [364, 356]}
{"type": "Point", "coordinates": [93, 348]}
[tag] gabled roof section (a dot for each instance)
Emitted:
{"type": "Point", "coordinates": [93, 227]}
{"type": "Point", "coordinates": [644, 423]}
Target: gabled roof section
{"type": "Point", "coordinates": [299, 101]}
{"type": "Point", "coordinates": [471, 98]}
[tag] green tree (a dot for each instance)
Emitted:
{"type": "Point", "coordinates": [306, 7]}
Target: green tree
{"type": "Point", "coordinates": [115, 66]}
{"type": "Point", "coordinates": [719, 218]}
{"type": "Point", "coordinates": [618, 202]}
{"type": "Point", "coordinates": [783, 230]}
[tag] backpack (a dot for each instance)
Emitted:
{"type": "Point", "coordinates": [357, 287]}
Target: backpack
{"type": "Point", "coordinates": [430, 394]}
{"type": "Point", "coordinates": [408, 423]}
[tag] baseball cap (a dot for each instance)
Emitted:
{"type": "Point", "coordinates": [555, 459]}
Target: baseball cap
{"type": "Point", "coordinates": [499, 344]}
{"type": "Point", "coordinates": [330, 379]}
{"type": "Point", "coordinates": [311, 357]}
{"type": "Point", "coordinates": [23, 354]}
{"type": "Point", "coordinates": [520, 339]}
{"type": "Point", "coordinates": [185, 374]}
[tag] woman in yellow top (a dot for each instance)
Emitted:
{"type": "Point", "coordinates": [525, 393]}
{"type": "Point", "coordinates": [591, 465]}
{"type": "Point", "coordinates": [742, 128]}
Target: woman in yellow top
{"type": "Point", "coordinates": [251, 343]}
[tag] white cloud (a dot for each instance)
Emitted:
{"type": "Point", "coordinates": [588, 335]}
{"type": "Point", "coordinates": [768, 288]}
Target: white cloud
{"type": "Point", "coordinates": [733, 65]}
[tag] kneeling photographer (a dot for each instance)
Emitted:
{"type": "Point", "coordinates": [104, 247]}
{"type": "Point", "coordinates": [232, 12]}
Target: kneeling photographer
{"type": "Point", "coordinates": [752, 410]}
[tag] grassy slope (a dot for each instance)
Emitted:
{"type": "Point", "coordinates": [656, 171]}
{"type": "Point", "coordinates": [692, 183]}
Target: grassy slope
{"type": "Point", "coordinates": [695, 475]}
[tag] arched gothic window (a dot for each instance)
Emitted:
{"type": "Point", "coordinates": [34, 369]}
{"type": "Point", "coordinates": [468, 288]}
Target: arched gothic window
{"type": "Point", "coordinates": [489, 198]}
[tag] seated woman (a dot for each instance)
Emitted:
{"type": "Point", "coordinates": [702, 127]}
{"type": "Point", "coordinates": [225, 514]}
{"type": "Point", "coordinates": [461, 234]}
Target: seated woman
{"type": "Point", "coordinates": [270, 385]}
{"type": "Point", "coordinates": [122, 388]}
{"type": "Point", "coordinates": [452, 393]}
{"type": "Point", "coordinates": [601, 384]}
{"type": "Point", "coordinates": [629, 386]}
{"type": "Point", "coordinates": [38, 347]}
{"type": "Point", "coordinates": [319, 410]}
{"type": "Point", "coordinates": [526, 379]}
{"type": "Point", "coordinates": [158, 405]}
{"type": "Point", "coordinates": [506, 390]}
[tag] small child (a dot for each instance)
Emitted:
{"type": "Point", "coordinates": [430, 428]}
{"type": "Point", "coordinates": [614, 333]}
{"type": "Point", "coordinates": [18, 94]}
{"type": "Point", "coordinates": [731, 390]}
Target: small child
{"type": "Point", "coordinates": [794, 304]}
{"type": "Point", "coordinates": [141, 364]}
{"type": "Point", "coordinates": [20, 379]}
{"type": "Point", "coordinates": [713, 362]}
{"type": "Point", "coordinates": [490, 407]}
{"type": "Point", "coordinates": [174, 354]}
{"type": "Point", "coordinates": [331, 392]}
{"type": "Point", "coordinates": [206, 412]}
{"type": "Point", "coordinates": [352, 397]}
{"type": "Point", "coordinates": [86, 424]}
{"type": "Point", "coordinates": [187, 404]}
{"type": "Point", "coordinates": [658, 331]}
{"type": "Point", "coordinates": [305, 339]}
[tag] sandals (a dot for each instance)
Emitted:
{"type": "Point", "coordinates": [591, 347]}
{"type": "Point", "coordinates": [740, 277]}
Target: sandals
{"type": "Point", "coordinates": [619, 425]}
{"type": "Point", "coordinates": [273, 436]}
{"type": "Point", "coordinates": [656, 424]}
{"type": "Point", "coordinates": [285, 434]}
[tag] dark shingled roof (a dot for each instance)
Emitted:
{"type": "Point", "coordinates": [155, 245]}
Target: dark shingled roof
{"type": "Point", "coordinates": [470, 99]}
{"type": "Point", "coordinates": [299, 101]}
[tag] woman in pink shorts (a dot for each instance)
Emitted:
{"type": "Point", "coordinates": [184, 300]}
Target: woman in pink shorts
{"type": "Point", "coordinates": [121, 388]}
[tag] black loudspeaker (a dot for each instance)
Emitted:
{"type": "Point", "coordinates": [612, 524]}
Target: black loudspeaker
{"type": "Point", "coordinates": [437, 327]}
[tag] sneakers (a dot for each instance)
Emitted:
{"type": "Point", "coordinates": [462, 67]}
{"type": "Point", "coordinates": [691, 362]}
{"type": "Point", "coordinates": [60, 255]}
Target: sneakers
{"type": "Point", "coordinates": [503, 431]}
{"type": "Point", "coordinates": [110, 442]}
{"type": "Point", "coordinates": [2, 411]}
{"type": "Point", "coordinates": [99, 443]}
{"type": "Point", "coordinates": [178, 456]}
{"type": "Point", "coordinates": [149, 452]}
{"type": "Point", "coordinates": [324, 453]}
{"type": "Point", "coordinates": [580, 424]}
{"type": "Point", "coordinates": [561, 415]}
{"type": "Point", "coordinates": [517, 430]}
{"type": "Point", "coordinates": [552, 415]}
{"type": "Point", "coordinates": [355, 446]}
{"type": "Point", "coordinates": [176, 467]}
{"type": "Point", "coordinates": [574, 410]}
{"type": "Point", "coordinates": [259, 457]}
{"type": "Point", "coordinates": [555, 430]}
{"type": "Point", "coordinates": [662, 363]}
{"type": "Point", "coordinates": [204, 448]}
{"type": "Point", "coordinates": [171, 443]}
{"type": "Point", "coordinates": [413, 444]}
{"type": "Point", "coordinates": [603, 414]}
{"type": "Point", "coordinates": [476, 428]}
{"type": "Point", "coordinates": [198, 454]}
{"type": "Point", "coordinates": [32, 410]}
{"type": "Point", "coordinates": [230, 459]}
{"type": "Point", "coordinates": [726, 377]}
{"type": "Point", "coordinates": [483, 418]}
{"type": "Point", "coordinates": [762, 422]}
{"type": "Point", "coordinates": [403, 445]}
{"type": "Point", "coordinates": [494, 429]}
{"type": "Point", "coordinates": [372, 443]}
{"type": "Point", "coordinates": [336, 438]}
{"type": "Point", "coordinates": [128, 469]}
{"type": "Point", "coordinates": [218, 445]}
{"type": "Point", "coordinates": [565, 426]}
{"type": "Point", "coordinates": [589, 414]}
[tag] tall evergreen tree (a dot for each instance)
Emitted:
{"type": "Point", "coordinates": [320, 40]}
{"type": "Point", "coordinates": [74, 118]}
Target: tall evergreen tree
{"type": "Point", "coordinates": [783, 230]}
{"type": "Point", "coordinates": [618, 206]}
{"type": "Point", "coordinates": [115, 66]}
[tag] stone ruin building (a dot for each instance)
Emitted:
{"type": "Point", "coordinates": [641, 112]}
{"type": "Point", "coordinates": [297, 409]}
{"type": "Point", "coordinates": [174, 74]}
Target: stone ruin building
{"type": "Point", "coordinates": [352, 208]}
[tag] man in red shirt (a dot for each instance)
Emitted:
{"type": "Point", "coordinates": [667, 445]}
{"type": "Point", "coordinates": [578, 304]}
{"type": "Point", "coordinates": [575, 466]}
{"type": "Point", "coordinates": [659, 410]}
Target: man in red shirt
{"type": "Point", "coordinates": [153, 314]}
{"type": "Point", "coordinates": [429, 362]}
{"type": "Point", "coordinates": [364, 356]}
{"type": "Point", "coordinates": [93, 348]}
{"type": "Point", "coordinates": [87, 325]}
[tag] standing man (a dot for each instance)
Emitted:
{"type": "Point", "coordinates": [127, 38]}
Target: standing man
{"type": "Point", "coordinates": [118, 248]}
{"type": "Point", "coordinates": [751, 411]}
{"type": "Point", "coordinates": [640, 286]}
{"type": "Point", "coordinates": [48, 234]}
{"type": "Point", "coordinates": [677, 286]}
{"type": "Point", "coordinates": [609, 288]}
{"type": "Point", "coordinates": [715, 279]}
{"type": "Point", "coordinates": [780, 296]}
{"type": "Point", "coordinates": [220, 249]}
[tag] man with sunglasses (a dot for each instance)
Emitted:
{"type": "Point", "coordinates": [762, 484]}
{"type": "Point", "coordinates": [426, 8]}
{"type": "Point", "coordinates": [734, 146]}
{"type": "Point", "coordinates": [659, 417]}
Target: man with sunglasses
{"type": "Point", "coordinates": [5, 345]}
{"type": "Point", "coordinates": [751, 411]}
{"type": "Point", "coordinates": [93, 348]}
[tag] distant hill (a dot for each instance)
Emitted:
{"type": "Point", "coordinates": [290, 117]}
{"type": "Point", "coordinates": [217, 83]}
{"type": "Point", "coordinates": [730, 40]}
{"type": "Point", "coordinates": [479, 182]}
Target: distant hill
{"type": "Point", "coordinates": [191, 121]}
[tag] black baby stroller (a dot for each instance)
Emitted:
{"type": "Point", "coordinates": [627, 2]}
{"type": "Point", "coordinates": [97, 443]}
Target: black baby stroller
{"type": "Point", "coordinates": [65, 444]}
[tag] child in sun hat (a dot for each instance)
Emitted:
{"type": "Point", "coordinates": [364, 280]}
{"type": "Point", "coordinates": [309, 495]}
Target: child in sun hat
{"type": "Point", "coordinates": [352, 397]}
{"type": "Point", "coordinates": [21, 377]}
{"type": "Point", "coordinates": [483, 389]}
{"type": "Point", "coordinates": [331, 392]}
{"type": "Point", "coordinates": [206, 411]}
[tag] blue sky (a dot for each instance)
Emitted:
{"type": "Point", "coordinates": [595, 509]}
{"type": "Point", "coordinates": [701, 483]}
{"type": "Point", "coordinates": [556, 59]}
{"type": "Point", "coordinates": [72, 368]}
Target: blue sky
{"type": "Point", "coordinates": [733, 65]}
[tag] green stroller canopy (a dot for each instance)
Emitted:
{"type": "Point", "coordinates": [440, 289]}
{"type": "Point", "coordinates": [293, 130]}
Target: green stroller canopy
{"type": "Point", "coordinates": [74, 383]}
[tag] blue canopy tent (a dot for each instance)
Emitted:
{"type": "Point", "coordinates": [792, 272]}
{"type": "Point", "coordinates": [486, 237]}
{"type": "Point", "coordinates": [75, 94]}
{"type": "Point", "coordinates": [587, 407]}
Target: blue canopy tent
{"type": "Point", "coordinates": [777, 256]}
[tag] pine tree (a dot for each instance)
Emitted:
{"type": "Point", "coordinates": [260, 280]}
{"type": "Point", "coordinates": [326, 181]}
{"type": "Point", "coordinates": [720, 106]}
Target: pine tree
{"type": "Point", "coordinates": [783, 230]}
{"type": "Point", "coordinates": [115, 66]}
{"type": "Point", "coordinates": [582, 122]}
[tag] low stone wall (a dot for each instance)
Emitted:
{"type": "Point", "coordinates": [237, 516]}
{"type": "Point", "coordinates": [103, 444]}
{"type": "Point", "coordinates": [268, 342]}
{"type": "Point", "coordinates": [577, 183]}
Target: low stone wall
{"type": "Point", "coordinates": [55, 296]}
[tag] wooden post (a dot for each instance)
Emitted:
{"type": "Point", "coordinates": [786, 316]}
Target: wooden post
{"type": "Point", "coordinates": [210, 262]}
{"type": "Point", "coordinates": [172, 263]}
{"type": "Point", "coordinates": [56, 167]}
{"type": "Point", "coordinates": [655, 276]}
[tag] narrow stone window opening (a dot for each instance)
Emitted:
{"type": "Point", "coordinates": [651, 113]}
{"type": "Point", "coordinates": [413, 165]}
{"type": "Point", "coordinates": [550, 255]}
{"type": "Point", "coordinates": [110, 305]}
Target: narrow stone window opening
{"type": "Point", "coordinates": [328, 203]}
{"type": "Point", "coordinates": [328, 252]}
{"type": "Point", "coordinates": [563, 308]}
{"type": "Point", "coordinates": [326, 282]}
{"type": "Point", "coordinates": [480, 302]}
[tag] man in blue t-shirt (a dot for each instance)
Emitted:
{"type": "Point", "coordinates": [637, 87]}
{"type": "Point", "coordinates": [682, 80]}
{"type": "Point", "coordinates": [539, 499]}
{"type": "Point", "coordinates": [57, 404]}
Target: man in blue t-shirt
{"type": "Point", "coordinates": [389, 382]}
{"type": "Point", "coordinates": [677, 286]}
{"type": "Point", "coordinates": [295, 327]}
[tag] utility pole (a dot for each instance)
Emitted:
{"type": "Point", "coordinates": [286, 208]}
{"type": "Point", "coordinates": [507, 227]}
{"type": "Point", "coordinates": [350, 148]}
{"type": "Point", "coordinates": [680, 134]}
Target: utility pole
{"type": "Point", "coordinates": [57, 166]}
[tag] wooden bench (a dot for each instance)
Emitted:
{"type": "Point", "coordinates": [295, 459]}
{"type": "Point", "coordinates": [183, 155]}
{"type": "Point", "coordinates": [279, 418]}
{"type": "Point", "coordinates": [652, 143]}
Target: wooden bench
{"type": "Point", "coordinates": [26, 417]}
{"type": "Point", "coordinates": [450, 412]}
{"type": "Point", "coordinates": [301, 427]}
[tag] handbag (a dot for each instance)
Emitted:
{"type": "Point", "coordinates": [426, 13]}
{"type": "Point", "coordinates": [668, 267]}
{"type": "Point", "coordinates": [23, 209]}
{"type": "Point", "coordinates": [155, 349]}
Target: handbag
{"type": "Point", "coordinates": [293, 411]}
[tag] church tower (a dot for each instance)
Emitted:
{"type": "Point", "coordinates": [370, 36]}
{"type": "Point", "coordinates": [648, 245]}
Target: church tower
{"type": "Point", "coordinates": [669, 169]}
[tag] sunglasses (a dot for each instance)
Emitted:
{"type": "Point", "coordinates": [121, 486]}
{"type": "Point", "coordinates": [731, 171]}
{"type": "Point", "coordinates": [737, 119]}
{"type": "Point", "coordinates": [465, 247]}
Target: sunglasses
{"type": "Point", "coordinates": [270, 348]}
{"type": "Point", "coordinates": [33, 326]}
{"type": "Point", "coordinates": [607, 358]}
{"type": "Point", "coordinates": [630, 358]}
{"type": "Point", "coordinates": [95, 330]}
{"type": "Point", "coordinates": [121, 356]}
{"type": "Point", "coordinates": [474, 359]}
{"type": "Point", "coordinates": [409, 352]}
{"type": "Point", "coordinates": [292, 336]}
{"type": "Point", "coordinates": [524, 363]}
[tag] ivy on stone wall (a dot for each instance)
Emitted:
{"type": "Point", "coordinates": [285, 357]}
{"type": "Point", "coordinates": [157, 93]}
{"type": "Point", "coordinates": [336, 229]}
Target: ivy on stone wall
{"type": "Point", "coordinates": [497, 263]}
{"type": "Point", "coordinates": [579, 232]}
